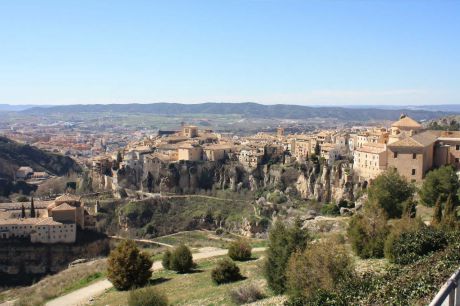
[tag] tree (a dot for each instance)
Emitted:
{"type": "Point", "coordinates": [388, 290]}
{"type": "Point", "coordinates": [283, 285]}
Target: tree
{"type": "Point", "coordinates": [181, 259]}
{"type": "Point", "coordinates": [449, 218]}
{"type": "Point", "coordinates": [409, 208]}
{"type": "Point", "coordinates": [23, 211]}
{"type": "Point", "coordinates": [283, 241]}
{"type": "Point", "coordinates": [322, 266]}
{"type": "Point", "coordinates": [240, 250]}
{"type": "Point", "coordinates": [32, 208]}
{"type": "Point", "coordinates": [440, 182]}
{"type": "Point", "coordinates": [128, 267]}
{"type": "Point", "coordinates": [437, 215]}
{"type": "Point", "coordinates": [367, 232]}
{"type": "Point", "coordinates": [390, 191]}
{"type": "Point", "coordinates": [149, 181]}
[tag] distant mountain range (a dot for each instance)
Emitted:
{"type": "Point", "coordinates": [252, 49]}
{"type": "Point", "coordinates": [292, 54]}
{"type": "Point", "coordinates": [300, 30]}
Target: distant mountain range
{"type": "Point", "coordinates": [255, 110]}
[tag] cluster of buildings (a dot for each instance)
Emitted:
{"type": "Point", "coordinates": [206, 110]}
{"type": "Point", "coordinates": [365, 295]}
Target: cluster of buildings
{"type": "Point", "coordinates": [407, 147]}
{"type": "Point", "coordinates": [45, 221]}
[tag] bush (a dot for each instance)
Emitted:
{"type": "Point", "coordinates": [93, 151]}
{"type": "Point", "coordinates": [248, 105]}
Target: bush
{"type": "Point", "coordinates": [147, 297]}
{"type": "Point", "coordinates": [330, 209]}
{"type": "Point", "coordinates": [166, 260]}
{"type": "Point", "coordinates": [127, 267]}
{"type": "Point", "coordinates": [367, 232]}
{"type": "Point", "coordinates": [220, 231]}
{"type": "Point", "coordinates": [410, 246]}
{"type": "Point", "coordinates": [391, 191]}
{"type": "Point", "coordinates": [283, 241]}
{"type": "Point", "coordinates": [439, 184]}
{"type": "Point", "coordinates": [246, 294]}
{"type": "Point", "coordinates": [181, 259]}
{"type": "Point", "coordinates": [226, 272]}
{"type": "Point", "coordinates": [322, 266]}
{"type": "Point", "coordinates": [240, 250]}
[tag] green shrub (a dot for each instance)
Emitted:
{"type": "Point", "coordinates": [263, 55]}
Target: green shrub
{"type": "Point", "coordinates": [220, 231]}
{"type": "Point", "coordinates": [282, 242]}
{"type": "Point", "coordinates": [226, 271]}
{"type": "Point", "coordinates": [367, 233]}
{"type": "Point", "coordinates": [127, 267]}
{"type": "Point", "coordinates": [181, 259]}
{"type": "Point", "coordinates": [147, 297]}
{"type": "Point", "coordinates": [321, 267]}
{"type": "Point", "coordinates": [330, 209]}
{"type": "Point", "coordinates": [410, 246]}
{"type": "Point", "coordinates": [166, 260]}
{"type": "Point", "coordinates": [246, 294]}
{"type": "Point", "coordinates": [240, 250]}
{"type": "Point", "coordinates": [391, 191]}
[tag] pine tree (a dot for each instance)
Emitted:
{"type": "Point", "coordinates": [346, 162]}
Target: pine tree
{"type": "Point", "coordinates": [437, 216]}
{"type": "Point", "coordinates": [23, 211]}
{"type": "Point", "coordinates": [449, 219]}
{"type": "Point", "coordinates": [32, 208]}
{"type": "Point", "coordinates": [283, 242]}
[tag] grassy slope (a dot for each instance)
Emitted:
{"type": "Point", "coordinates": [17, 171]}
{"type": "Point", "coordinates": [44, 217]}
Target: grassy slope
{"type": "Point", "coordinates": [195, 288]}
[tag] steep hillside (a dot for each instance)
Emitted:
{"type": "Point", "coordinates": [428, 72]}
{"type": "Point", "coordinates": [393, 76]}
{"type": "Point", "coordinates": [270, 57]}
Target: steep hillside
{"type": "Point", "coordinates": [249, 110]}
{"type": "Point", "coordinates": [14, 155]}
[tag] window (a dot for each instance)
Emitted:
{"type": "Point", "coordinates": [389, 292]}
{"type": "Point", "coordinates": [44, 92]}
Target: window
{"type": "Point", "coordinates": [395, 154]}
{"type": "Point", "coordinates": [457, 147]}
{"type": "Point", "coordinates": [414, 156]}
{"type": "Point", "coordinates": [457, 160]}
{"type": "Point", "coordinates": [413, 171]}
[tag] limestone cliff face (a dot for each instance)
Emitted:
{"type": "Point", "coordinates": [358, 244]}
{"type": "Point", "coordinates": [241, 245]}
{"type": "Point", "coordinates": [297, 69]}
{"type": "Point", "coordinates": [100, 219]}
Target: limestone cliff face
{"type": "Point", "coordinates": [22, 261]}
{"type": "Point", "coordinates": [322, 183]}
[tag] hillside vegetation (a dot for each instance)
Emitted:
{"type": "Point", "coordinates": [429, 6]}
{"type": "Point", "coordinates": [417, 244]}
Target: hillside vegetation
{"type": "Point", "coordinates": [14, 155]}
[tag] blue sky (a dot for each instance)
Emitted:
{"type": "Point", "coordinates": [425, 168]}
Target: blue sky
{"type": "Point", "coordinates": [267, 51]}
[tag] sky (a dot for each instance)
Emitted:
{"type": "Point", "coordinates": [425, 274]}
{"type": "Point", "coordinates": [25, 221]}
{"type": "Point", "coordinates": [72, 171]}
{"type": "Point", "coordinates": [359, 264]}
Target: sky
{"type": "Point", "coordinates": [267, 51]}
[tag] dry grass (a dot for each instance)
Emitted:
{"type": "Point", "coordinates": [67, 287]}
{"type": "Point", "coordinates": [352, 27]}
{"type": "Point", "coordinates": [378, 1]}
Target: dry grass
{"type": "Point", "coordinates": [58, 284]}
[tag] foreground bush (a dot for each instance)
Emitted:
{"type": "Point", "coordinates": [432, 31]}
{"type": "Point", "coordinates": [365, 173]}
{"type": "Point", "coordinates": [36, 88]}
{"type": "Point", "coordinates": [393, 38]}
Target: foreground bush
{"type": "Point", "coordinates": [367, 232]}
{"type": "Point", "coordinates": [321, 267]}
{"type": "Point", "coordinates": [127, 267]}
{"type": "Point", "coordinates": [283, 241]}
{"type": "Point", "coordinates": [166, 260]}
{"type": "Point", "coordinates": [147, 297]}
{"type": "Point", "coordinates": [246, 294]}
{"type": "Point", "coordinates": [226, 271]}
{"type": "Point", "coordinates": [240, 250]}
{"type": "Point", "coordinates": [391, 192]}
{"type": "Point", "coordinates": [410, 246]}
{"type": "Point", "coordinates": [181, 259]}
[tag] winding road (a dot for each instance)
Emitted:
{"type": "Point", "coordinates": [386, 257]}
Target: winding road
{"type": "Point", "coordinates": [82, 296]}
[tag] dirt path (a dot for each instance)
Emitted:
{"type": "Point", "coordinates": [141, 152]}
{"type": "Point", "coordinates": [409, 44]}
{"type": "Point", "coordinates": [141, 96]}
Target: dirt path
{"type": "Point", "coordinates": [82, 296]}
{"type": "Point", "coordinates": [143, 240]}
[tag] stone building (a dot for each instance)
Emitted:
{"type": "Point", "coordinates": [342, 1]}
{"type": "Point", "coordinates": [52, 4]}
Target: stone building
{"type": "Point", "coordinates": [370, 160]}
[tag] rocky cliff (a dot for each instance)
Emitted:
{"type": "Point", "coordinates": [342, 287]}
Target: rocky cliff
{"type": "Point", "coordinates": [323, 183]}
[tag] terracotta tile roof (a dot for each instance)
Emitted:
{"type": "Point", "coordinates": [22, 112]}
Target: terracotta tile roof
{"type": "Point", "coordinates": [14, 221]}
{"type": "Point", "coordinates": [406, 122]}
{"type": "Point", "coordinates": [419, 140]}
{"type": "Point", "coordinates": [48, 221]}
{"type": "Point", "coordinates": [63, 207]}
{"type": "Point", "coordinates": [68, 197]}
{"type": "Point", "coordinates": [373, 148]}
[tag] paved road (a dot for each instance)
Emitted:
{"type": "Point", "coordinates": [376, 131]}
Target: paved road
{"type": "Point", "coordinates": [82, 296]}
